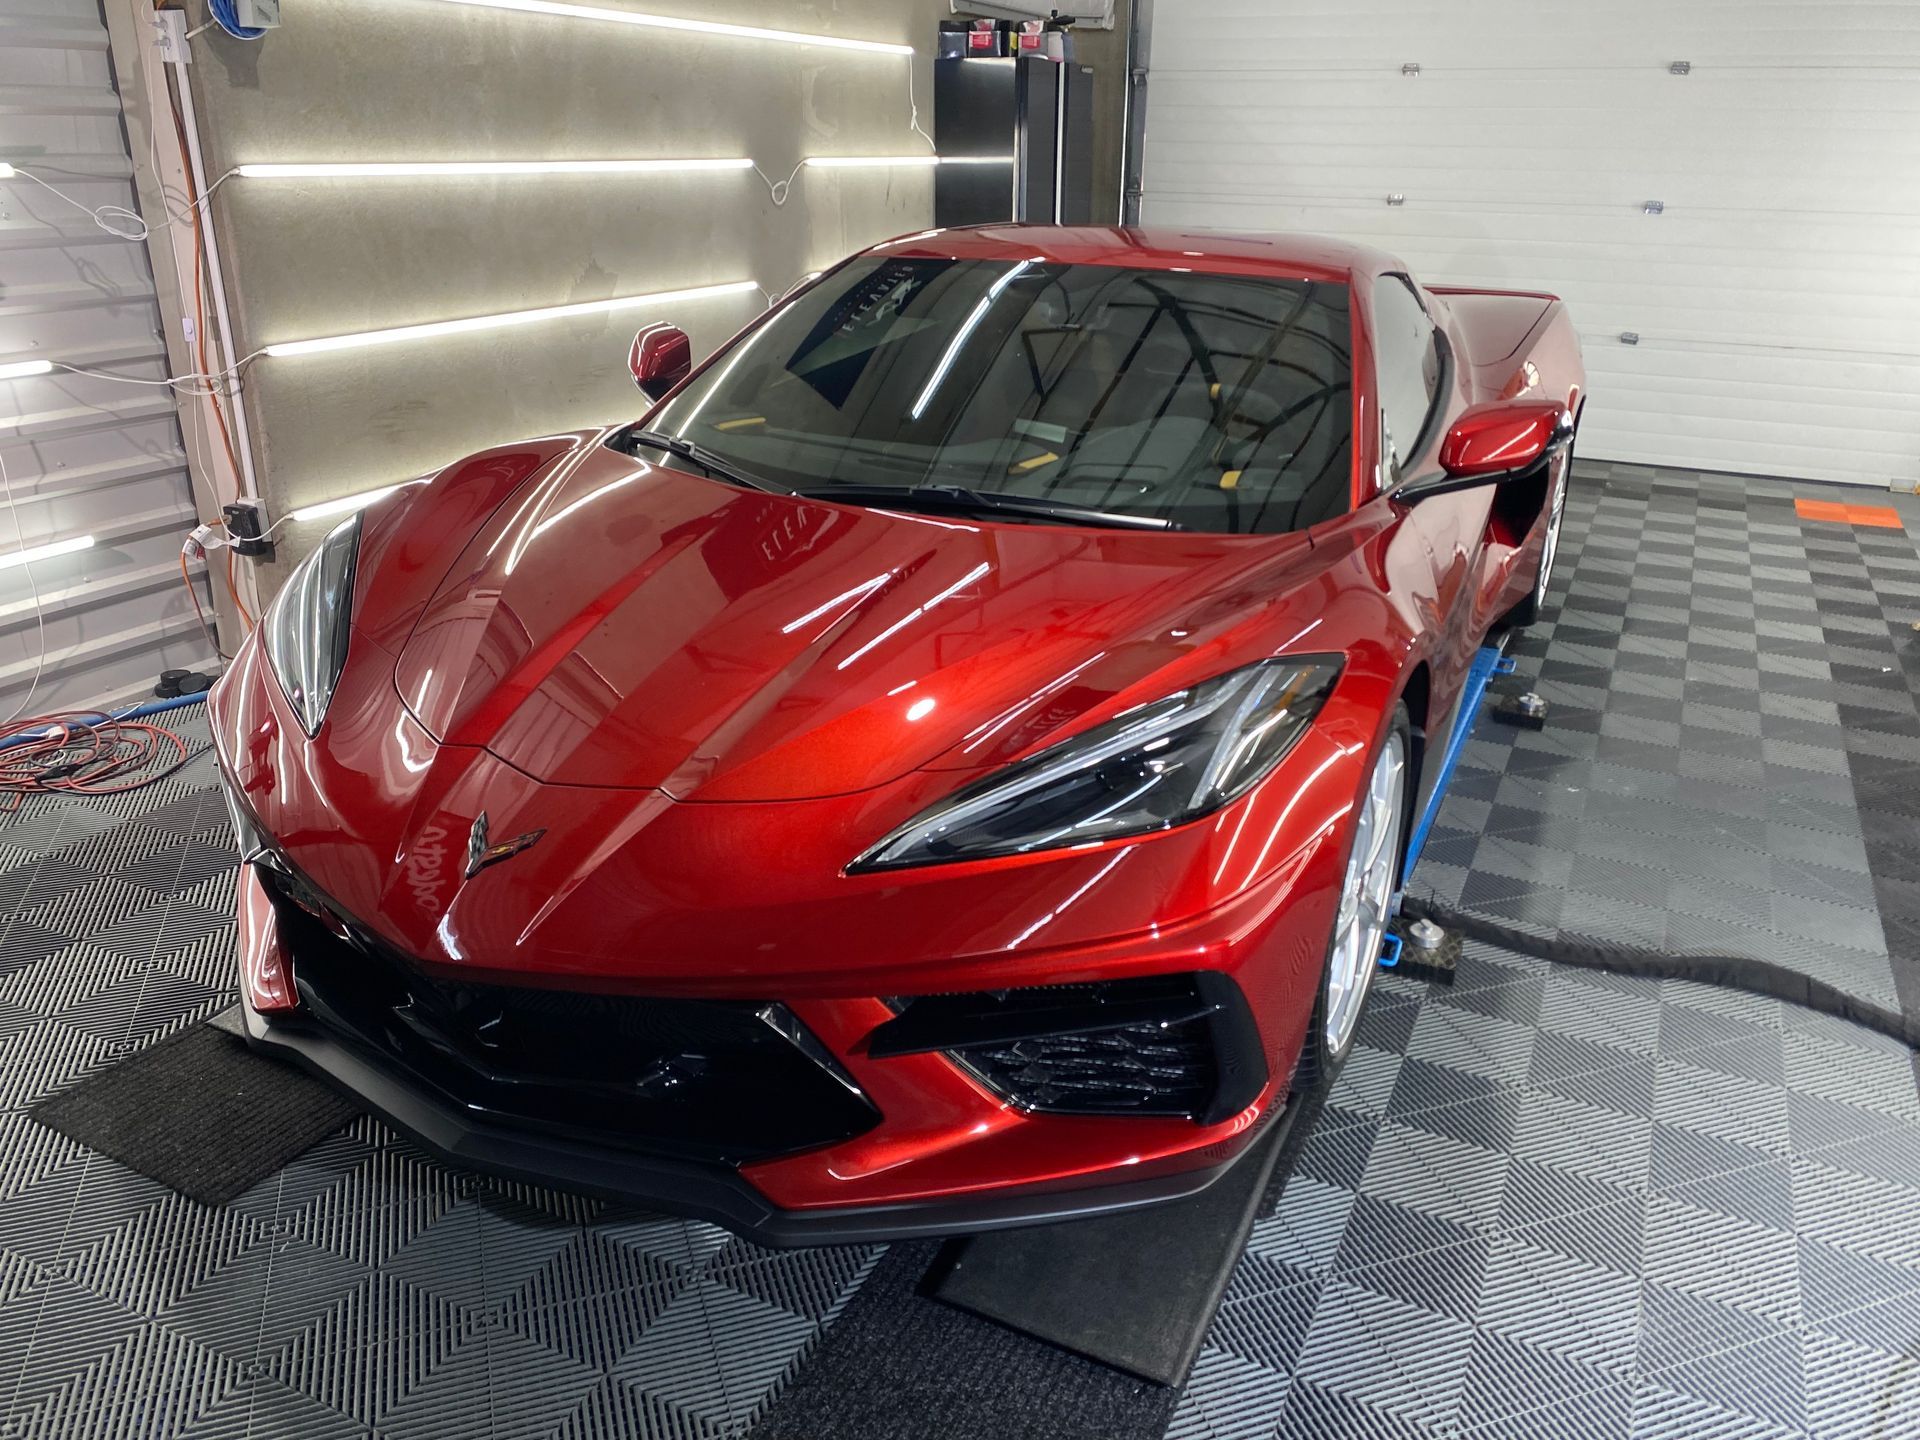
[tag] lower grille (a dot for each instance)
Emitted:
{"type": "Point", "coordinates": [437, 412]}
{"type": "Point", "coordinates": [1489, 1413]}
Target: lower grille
{"type": "Point", "coordinates": [1141, 1070]}
{"type": "Point", "coordinates": [1157, 1045]}
{"type": "Point", "coordinates": [695, 1079]}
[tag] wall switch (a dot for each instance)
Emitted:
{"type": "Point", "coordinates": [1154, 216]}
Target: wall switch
{"type": "Point", "coordinates": [170, 36]}
{"type": "Point", "coordinates": [262, 14]}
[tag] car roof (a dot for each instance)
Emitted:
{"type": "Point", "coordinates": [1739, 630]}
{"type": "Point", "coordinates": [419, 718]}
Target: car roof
{"type": "Point", "coordinates": [1291, 257]}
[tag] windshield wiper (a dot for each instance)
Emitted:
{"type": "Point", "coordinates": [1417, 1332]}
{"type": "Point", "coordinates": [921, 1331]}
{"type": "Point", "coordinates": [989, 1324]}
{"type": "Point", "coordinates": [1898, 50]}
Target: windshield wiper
{"type": "Point", "coordinates": [957, 498]}
{"type": "Point", "coordinates": [715, 465]}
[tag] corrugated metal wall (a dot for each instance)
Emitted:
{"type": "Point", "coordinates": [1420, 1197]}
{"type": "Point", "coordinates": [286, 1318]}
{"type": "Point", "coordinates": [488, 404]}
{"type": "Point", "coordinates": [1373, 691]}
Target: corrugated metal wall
{"type": "Point", "coordinates": [1777, 295]}
{"type": "Point", "coordinates": [83, 456]}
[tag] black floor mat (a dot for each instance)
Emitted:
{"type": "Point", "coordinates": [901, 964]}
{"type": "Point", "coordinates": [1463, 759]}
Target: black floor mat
{"type": "Point", "coordinates": [1135, 1290]}
{"type": "Point", "coordinates": [900, 1366]}
{"type": "Point", "coordinates": [899, 1363]}
{"type": "Point", "coordinates": [200, 1113]}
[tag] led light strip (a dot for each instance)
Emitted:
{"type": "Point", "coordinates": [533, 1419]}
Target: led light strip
{"type": "Point", "coordinates": [383, 169]}
{"type": "Point", "coordinates": [699, 27]}
{"type": "Point", "coordinates": [343, 506]}
{"type": "Point", "coordinates": [875, 162]}
{"type": "Point", "coordinates": [46, 552]}
{"type": "Point", "coordinates": [24, 368]}
{"type": "Point", "coordinates": [497, 322]}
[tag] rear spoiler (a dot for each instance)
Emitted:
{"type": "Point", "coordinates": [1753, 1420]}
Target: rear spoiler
{"type": "Point", "coordinates": [1475, 290]}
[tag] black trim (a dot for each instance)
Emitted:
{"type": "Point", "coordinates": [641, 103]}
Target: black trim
{"type": "Point", "coordinates": [1427, 778]}
{"type": "Point", "coordinates": [707, 1192]}
{"type": "Point", "coordinates": [1182, 1044]}
{"type": "Point", "coordinates": [1240, 1064]}
{"type": "Point", "coordinates": [722, 1081]}
{"type": "Point", "coordinates": [999, 1017]}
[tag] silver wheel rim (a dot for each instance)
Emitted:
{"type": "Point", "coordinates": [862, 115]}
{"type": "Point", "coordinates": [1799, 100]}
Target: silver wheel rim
{"type": "Point", "coordinates": [1367, 897]}
{"type": "Point", "coordinates": [1552, 547]}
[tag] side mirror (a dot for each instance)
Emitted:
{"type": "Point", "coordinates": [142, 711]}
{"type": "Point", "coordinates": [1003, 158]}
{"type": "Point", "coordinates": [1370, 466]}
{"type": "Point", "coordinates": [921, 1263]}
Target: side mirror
{"type": "Point", "coordinates": [661, 358]}
{"type": "Point", "coordinates": [1492, 443]}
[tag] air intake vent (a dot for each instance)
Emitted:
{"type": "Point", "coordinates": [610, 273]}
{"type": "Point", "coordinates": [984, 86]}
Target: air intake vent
{"type": "Point", "coordinates": [1140, 1070]}
{"type": "Point", "coordinates": [1159, 1045]}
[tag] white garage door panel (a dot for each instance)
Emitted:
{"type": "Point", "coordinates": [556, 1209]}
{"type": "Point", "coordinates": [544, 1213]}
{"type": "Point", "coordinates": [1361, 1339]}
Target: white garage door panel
{"type": "Point", "coordinates": [1673, 406]}
{"type": "Point", "coordinates": [1733, 139]}
{"type": "Point", "coordinates": [1768, 294]}
{"type": "Point", "coordinates": [1777, 297]}
{"type": "Point", "coordinates": [1518, 33]}
{"type": "Point", "coordinates": [1649, 377]}
{"type": "Point", "coordinates": [1703, 252]}
{"type": "Point", "coordinates": [1694, 449]}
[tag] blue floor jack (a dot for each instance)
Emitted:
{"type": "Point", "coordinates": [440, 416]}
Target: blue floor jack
{"type": "Point", "coordinates": [1422, 945]}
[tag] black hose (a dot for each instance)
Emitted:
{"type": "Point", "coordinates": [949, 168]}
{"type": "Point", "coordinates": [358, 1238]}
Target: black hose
{"type": "Point", "coordinates": [1735, 972]}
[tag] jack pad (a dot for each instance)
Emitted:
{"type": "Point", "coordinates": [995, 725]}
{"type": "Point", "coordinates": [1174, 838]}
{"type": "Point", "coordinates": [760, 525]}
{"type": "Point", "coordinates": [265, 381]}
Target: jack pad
{"type": "Point", "coordinates": [1527, 712]}
{"type": "Point", "coordinates": [1442, 962]}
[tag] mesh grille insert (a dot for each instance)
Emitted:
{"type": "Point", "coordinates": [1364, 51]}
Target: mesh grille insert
{"type": "Point", "coordinates": [1146, 1069]}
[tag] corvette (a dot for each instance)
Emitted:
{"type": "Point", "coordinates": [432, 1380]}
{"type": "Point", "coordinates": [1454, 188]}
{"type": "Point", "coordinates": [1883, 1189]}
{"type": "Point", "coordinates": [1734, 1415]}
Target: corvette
{"type": "Point", "coordinates": [950, 764]}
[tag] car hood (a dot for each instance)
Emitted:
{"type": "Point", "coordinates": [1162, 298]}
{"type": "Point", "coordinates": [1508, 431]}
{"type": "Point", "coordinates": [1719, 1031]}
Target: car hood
{"type": "Point", "coordinates": [623, 624]}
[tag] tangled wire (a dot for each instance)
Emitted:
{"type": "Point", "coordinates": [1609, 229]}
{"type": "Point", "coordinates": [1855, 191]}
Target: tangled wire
{"type": "Point", "coordinates": [84, 753]}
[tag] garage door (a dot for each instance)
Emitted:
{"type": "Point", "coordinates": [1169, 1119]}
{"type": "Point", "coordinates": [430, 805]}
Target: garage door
{"type": "Point", "coordinates": [95, 499]}
{"type": "Point", "coordinates": [1727, 192]}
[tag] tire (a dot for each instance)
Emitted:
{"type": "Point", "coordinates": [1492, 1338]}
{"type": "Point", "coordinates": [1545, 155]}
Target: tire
{"type": "Point", "coordinates": [1353, 950]}
{"type": "Point", "coordinates": [1529, 610]}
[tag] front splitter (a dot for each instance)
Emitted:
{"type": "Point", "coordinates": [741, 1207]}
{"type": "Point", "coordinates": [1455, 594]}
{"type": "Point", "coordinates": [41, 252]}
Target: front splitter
{"type": "Point", "coordinates": [714, 1193]}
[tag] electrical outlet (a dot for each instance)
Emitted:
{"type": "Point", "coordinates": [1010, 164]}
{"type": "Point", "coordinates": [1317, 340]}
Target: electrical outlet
{"type": "Point", "coordinates": [247, 523]}
{"type": "Point", "coordinates": [170, 36]}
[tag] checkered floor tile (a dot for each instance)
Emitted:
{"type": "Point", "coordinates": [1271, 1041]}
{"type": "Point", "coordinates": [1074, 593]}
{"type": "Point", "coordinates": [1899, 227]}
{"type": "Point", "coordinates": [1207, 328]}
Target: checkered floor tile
{"type": "Point", "coordinates": [1545, 1201]}
{"type": "Point", "coordinates": [1553, 1202]}
{"type": "Point", "coordinates": [1733, 754]}
{"type": "Point", "coordinates": [366, 1289]}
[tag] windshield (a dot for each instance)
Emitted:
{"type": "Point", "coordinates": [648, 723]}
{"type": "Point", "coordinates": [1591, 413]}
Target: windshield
{"type": "Point", "coordinates": [1213, 402]}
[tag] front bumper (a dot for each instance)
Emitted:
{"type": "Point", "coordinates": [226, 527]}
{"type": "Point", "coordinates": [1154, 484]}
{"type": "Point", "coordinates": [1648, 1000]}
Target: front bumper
{"type": "Point", "coordinates": [716, 1193]}
{"type": "Point", "coordinates": [277, 1022]}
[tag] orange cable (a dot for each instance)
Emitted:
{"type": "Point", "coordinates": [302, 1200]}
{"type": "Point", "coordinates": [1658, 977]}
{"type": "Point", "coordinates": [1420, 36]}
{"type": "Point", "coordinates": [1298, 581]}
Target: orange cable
{"type": "Point", "coordinates": [194, 595]}
{"type": "Point", "coordinates": [200, 349]}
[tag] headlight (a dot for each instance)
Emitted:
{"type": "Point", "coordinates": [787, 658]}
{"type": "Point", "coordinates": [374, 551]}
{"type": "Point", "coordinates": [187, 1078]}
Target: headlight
{"type": "Point", "coordinates": [306, 626]}
{"type": "Point", "coordinates": [1159, 765]}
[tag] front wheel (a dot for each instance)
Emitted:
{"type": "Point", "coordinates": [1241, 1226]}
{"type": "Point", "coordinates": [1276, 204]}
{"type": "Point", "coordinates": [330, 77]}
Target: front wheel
{"type": "Point", "coordinates": [1366, 904]}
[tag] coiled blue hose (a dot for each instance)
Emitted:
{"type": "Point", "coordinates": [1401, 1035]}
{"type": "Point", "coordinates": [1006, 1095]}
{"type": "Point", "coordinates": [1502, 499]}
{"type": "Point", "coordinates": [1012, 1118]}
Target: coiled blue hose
{"type": "Point", "coordinates": [160, 707]}
{"type": "Point", "coordinates": [136, 712]}
{"type": "Point", "coordinates": [228, 19]}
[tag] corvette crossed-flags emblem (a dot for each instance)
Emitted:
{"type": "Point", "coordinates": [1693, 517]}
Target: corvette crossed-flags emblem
{"type": "Point", "coordinates": [481, 854]}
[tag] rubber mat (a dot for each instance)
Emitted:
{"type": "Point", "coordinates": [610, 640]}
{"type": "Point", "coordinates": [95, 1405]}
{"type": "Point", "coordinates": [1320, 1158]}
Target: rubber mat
{"type": "Point", "coordinates": [898, 1365]}
{"type": "Point", "coordinates": [200, 1113]}
{"type": "Point", "coordinates": [1136, 1290]}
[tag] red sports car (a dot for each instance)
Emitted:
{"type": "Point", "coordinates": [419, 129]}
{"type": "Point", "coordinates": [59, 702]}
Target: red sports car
{"type": "Point", "coordinates": [949, 765]}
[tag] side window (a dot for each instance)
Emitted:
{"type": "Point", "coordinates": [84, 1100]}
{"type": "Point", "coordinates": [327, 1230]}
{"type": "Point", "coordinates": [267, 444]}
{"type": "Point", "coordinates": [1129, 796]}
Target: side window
{"type": "Point", "coordinates": [1407, 361]}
